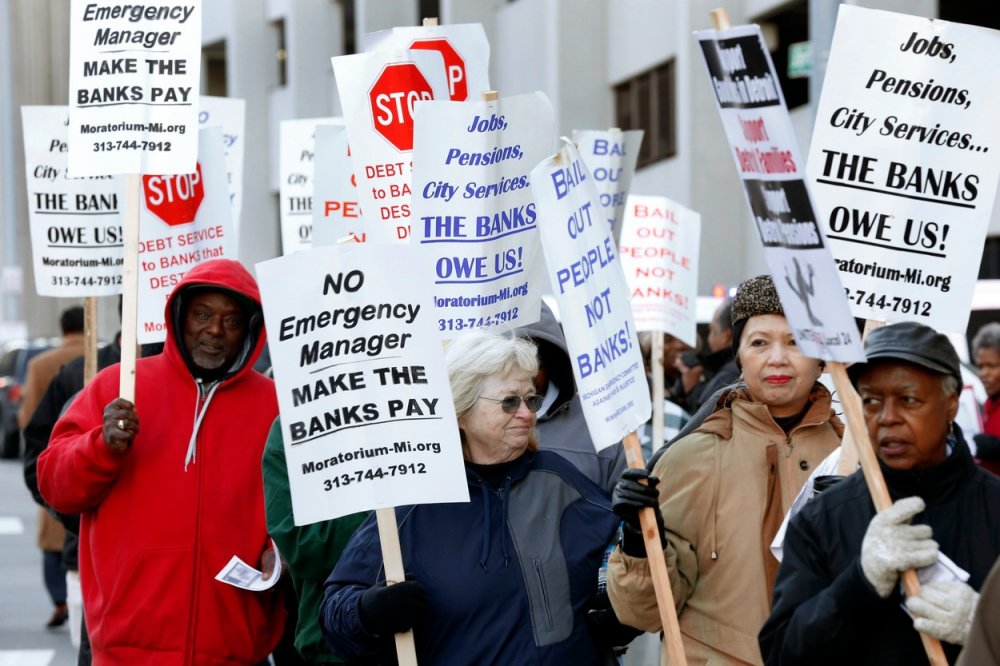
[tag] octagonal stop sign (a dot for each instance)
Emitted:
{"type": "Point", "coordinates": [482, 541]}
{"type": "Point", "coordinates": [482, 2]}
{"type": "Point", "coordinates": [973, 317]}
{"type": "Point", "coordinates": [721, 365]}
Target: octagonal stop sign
{"type": "Point", "coordinates": [454, 65]}
{"type": "Point", "coordinates": [395, 92]}
{"type": "Point", "coordinates": [174, 199]}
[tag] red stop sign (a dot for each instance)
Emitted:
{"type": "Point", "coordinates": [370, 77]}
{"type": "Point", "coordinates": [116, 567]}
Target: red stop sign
{"type": "Point", "coordinates": [174, 199]}
{"type": "Point", "coordinates": [454, 65]}
{"type": "Point", "coordinates": [396, 91]}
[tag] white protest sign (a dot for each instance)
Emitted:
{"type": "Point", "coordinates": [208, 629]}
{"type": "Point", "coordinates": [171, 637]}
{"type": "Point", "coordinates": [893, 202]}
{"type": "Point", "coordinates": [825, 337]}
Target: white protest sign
{"type": "Point", "coordinates": [335, 211]}
{"type": "Point", "coordinates": [610, 155]}
{"type": "Point", "coordinates": [228, 113]}
{"type": "Point", "coordinates": [590, 288]}
{"type": "Point", "coordinates": [366, 409]}
{"type": "Point", "coordinates": [473, 210]}
{"type": "Point", "coordinates": [463, 47]}
{"type": "Point", "coordinates": [379, 93]}
{"type": "Point", "coordinates": [76, 223]}
{"type": "Point", "coordinates": [296, 168]}
{"type": "Point", "coordinates": [659, 253]}
{"type": "Point", "coordinates": [133, 87]}
{"type": "Point", "coordinates": [760, 133]}
{"type": "Point", "coordinates": [900, 166]}
{"type": "Point", "coordinates": [184, 220]}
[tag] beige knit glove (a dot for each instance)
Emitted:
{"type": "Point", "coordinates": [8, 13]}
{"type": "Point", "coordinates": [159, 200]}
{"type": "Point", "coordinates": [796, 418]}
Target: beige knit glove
{"type": "Point", "coordinates": [892, 545]}
{"type": "Point", "coordinates": [944, 609]}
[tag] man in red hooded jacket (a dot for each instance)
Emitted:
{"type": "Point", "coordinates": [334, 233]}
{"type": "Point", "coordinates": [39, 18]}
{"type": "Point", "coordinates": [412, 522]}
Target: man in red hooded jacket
{"type": "Point", "coordinates": [169, 497]}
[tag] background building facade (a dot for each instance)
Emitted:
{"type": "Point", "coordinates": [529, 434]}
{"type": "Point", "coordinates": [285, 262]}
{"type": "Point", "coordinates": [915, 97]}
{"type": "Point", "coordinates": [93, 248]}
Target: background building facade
{"type": "Point", "coordinates": [603, 63]}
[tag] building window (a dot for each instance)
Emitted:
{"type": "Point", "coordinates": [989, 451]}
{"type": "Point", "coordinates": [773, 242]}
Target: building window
{"type": "Point", "coordinates": [214, 69]}
{"type": "Point", "coordinates": [350, 38]}
{"type": "Point", "coordinates": [787, 27]}
{"type": "Point", "coordinates": [281, 56]}
{"type": "Point", "coordinates": [429, 9]}
{"type": "Point", "coordinates": [649, 102]}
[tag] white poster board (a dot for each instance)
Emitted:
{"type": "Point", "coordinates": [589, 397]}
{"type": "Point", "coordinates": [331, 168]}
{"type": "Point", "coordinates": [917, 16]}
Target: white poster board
{"type": "Point", "coordinates": [611, 156]}
{"type": "Point", "coordinates": [133, 87]}
{"type": "Point", "coordinates": [761, 136]}
{"type": "Point", "coordinates": [228, 113]}
{"type": "Point", "coordinates": [184, 220]}
{"type": "Point", "coordinates": [76, 223]}
{"type": "Point", "coordinates": [379, 93]}
{"type": "Point", "coordinates": [296, 168]}
{"type": "Point", "coordinates": [586, 274]}
{"type": "Point", "coordinates": [463, 47]}
{"type": "Point", "coordinates": [659, 250]}
{"type": "Point", "coordinates": [473, 210]}
{"type": "Point", "coordinates": [904, 162]}
{"type": "Point", "coordinates": [366, 409]}
{"type": "Point", "coordinates": [335, 210]}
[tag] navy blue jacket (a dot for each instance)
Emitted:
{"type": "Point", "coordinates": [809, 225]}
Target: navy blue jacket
{"type": "Point", "coordinates": [508, 575]}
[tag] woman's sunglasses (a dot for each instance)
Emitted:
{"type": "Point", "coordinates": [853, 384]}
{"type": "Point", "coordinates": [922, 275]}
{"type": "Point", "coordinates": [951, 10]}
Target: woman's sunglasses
{"type": "Point", "coordinates": [512, 403]}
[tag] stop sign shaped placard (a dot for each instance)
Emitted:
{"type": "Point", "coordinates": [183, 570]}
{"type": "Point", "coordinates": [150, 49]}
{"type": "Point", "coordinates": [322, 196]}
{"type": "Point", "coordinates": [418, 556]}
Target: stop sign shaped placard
{"type": "Point", "coordinates": [393, 96]}
{"type": "Point", "coordinates": [175, 199]}
{"type": "Point", "coordinates": [454, 66]}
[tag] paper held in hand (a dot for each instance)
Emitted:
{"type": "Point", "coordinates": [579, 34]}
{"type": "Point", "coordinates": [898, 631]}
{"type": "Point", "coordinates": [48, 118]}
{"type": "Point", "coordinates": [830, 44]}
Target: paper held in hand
{"type": "Point", "coordinates": [240, 574]}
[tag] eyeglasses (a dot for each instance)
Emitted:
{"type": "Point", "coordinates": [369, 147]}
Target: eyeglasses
{"type": "Point", "coordinates": [512, 403]}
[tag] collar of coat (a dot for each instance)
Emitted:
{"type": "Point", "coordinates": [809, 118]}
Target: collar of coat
{"type": "Point", "coordinates": [721, 421]}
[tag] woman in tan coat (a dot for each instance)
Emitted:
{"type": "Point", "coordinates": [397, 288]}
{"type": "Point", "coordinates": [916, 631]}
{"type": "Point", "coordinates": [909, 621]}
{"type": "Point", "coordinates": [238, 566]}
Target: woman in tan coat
{"type": "Point", "coordinates": [725, 489]}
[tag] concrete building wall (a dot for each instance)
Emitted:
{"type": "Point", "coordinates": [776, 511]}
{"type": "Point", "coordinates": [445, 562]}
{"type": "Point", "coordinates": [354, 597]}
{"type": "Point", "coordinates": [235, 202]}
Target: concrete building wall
{"type": "Point", "coordinates": [575, 51]}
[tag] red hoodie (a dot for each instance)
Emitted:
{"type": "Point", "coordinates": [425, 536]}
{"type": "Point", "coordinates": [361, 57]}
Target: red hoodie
{"type": "Point", "coordinates": [152, 535]}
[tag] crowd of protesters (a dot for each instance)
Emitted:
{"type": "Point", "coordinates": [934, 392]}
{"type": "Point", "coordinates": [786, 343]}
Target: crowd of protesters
{"type": "Point", "coordinates": [159, 493]}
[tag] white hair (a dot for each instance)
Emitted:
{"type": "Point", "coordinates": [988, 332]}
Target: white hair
{"type": "Point", "coordinates": [473, 357]}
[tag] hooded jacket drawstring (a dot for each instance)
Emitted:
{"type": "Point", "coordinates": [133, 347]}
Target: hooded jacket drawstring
{"type": "Point", "coordinates": [200, 409]}
{"type": "Point", "coordinates": [486, 526]}
{"type": "Point", "coordinates": [504, 501]}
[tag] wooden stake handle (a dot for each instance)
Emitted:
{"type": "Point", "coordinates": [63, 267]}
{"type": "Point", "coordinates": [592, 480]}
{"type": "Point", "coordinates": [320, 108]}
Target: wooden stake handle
{"type": "Point", "coordinates": [656, 362]}
{"type": "Point", "coordinates": [89, 338]}
{"type": "Point", "coordinates": [130, 286]}
{"type": "Point", "coordinates": [720, 19]}
{"type": "Point", "coordinates": [854, 414]}
{"type": "Point", "coordinates": [430, 21]}
{"type": "Point", "coordinates": [657, 565]}
{"type": "Point", "coordinates": [392, 557]}
{"type": "Point", "coordinates": [490, 95]}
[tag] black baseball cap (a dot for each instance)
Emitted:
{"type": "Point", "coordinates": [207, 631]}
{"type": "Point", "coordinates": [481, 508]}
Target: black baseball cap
{"type": "Point", "coordinates": [913, 343]}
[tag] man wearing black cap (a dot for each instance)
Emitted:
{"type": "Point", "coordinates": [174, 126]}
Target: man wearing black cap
{"type": "Point", "coordinates": [837, 598]}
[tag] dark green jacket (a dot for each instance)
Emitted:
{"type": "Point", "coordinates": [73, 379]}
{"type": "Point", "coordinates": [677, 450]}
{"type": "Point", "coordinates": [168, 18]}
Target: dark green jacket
{"type": "Point", "coordinates": [309, 550]}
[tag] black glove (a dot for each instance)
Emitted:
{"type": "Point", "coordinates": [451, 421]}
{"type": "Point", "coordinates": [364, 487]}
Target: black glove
{"type": "Point", "coordinates": [605, 626]}
{"type": "Point", "coordinates": [628, 498]}
{"type": "Point", "coordinates": [393, 609]}
{"type": "Point", "coordinates": [987, 447]}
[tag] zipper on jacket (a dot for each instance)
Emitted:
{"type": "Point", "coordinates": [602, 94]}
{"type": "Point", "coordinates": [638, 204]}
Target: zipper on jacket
{"type": "Point", "coordinates": [545, 595]}
{"type": "Point", "coordinates": [788, 446]}
{"type": "Point", "coordinates": [196, 587]}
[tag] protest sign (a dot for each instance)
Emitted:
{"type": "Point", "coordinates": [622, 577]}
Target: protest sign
{"type": "Point", "coordinates": [133, 87]}
{"type": "Point", "coordinates": [590, 288]}
{"type": "Point", "coordinates": [659, 253]}
{"type": "Point", "coordinates": [366, 409]}
{"type": "Point", "coordinates": [184, 220]}
{"type": "Point", "coordinates": [76, 223]}
{"type": "Point", "coordinates": [900, 166]}
{"type": "Point", "coordinates": [296, 168]}
{"type": "Point", "coordinates": [335, 210]}
{"type": "Point", "coordinates": [760, 133]}
{"type": "Point", "coordinates": [379, 93]}
{"type": "Point", "coordinates": [463, 47]}
{"type": "Point", "coordinates": [228, 113]}
{"type": "Point", "coordinates": [610, 155]}
{"type": "Point", "coordinates": [473, 210]}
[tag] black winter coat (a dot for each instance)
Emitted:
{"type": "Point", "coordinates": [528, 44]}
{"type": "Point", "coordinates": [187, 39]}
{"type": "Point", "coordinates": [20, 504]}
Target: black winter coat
{"type": "Point", "coordinates": [824, 611]}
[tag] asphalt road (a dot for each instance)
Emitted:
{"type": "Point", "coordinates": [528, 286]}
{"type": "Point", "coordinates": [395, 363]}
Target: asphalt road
{"type": "Point", "coordinates": [24, 604]}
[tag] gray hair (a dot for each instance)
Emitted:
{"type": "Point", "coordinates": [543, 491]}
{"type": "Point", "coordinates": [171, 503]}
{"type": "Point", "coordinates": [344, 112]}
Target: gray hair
{"type": "Point", "coordinates": [987, 337]}
{"type": "Point", "coordinates": [949, 385]}
{"type": "Point", "coordinates": [473, 357]}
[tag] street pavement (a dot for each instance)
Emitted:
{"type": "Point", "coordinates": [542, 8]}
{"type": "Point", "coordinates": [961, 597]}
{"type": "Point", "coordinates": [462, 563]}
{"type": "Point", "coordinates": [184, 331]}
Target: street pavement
{"type": "Point", "coordinates": [24, 604]}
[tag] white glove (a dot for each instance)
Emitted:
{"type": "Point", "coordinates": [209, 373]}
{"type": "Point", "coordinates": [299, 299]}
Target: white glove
{"type": "Point", "coordinates": [944, 609]}
{"type": "Point", "coordinates": [891, 545]}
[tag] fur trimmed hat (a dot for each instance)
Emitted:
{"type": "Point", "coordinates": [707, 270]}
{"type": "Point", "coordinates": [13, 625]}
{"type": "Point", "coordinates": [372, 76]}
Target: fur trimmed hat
{"type": "Point", "coordinates": [756, 296]}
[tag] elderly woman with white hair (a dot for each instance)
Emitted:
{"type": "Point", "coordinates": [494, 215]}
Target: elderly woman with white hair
{"type": "Point", "coordinates": [506, 578]}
